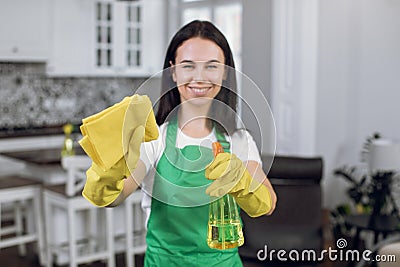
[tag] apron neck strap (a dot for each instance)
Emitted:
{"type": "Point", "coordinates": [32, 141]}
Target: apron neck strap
{"type": "Point", "coordinates": [172, 130]}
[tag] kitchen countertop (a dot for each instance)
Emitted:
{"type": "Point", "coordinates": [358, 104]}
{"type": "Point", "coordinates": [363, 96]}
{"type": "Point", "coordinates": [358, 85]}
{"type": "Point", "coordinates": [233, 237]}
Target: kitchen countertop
{"type": "Point", "coordinates": [29, 131]}
{"type": "Point", "coordinates": [35, 138]}
{"type": "Point", "coordinates": [41, 156]}
{"type": "Point", "coordinates": [33, 131]}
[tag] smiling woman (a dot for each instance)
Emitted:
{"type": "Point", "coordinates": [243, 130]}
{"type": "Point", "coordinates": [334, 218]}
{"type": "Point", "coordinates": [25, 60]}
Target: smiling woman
{"type": "Point", "coordinates": [197, 107]}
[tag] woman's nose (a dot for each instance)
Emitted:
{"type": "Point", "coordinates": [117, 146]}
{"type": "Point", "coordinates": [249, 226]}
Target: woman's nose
{"type": "Point", "coordinates": [199, 74]}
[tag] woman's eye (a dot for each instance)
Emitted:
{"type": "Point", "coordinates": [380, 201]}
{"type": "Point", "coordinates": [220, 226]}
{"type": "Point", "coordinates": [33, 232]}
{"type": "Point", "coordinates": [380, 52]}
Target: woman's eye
{"type": "Point", "coordinates": [212, 66]}
{"type": "Point", "coordinates": [188, 66]}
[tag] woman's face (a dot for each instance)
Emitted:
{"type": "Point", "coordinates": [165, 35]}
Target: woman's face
{"type": "Point", "coordinates": [198, 70]}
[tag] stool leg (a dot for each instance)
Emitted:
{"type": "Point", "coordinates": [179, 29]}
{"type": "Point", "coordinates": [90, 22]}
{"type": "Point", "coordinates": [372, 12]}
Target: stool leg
{"type": "Point", "coordinates": [92, 229]}
{"type": "Point", "coordinates": [19, 226]}
{"type": "Point", "coordinates": [49, 229]}
{"type": "Point", "coordinates": [0, 224]}
{"type": "Point", "coordinates": [37, 200]}
{"type": "Point", "coordinates": [72, 237]}
{"type": "Point", "coordinates": [129, 234]}
{"type": "Point", "coordinates": [110, 237]}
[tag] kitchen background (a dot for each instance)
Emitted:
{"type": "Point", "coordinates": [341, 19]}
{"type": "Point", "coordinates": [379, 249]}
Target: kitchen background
{"type": "Point", "coordinates": [29, 98]}
{"type": "Point", "coordinates": [329, 70]}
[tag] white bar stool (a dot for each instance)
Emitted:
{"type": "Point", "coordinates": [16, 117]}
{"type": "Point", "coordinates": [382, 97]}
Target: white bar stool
{"type": "Point", "coordinates": [76, 231]}
{"type": "Point", "coordinates": [24, 196]}
{"type": "Point", "coordinates": [135, 227]}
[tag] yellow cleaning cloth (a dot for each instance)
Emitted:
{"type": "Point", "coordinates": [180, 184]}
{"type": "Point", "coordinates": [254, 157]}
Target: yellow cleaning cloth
{"type": "Point", "coordinates": [231, 176]}
{"type": "Point", "coordinates": [104, 133]}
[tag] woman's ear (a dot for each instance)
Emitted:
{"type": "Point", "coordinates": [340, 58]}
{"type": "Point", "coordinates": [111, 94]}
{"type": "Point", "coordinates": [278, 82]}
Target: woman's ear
{"type": "Point", "coordinates": [172, 70]}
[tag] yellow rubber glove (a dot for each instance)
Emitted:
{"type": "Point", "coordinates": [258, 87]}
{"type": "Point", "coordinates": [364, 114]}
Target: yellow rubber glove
{"type": "Point", "coordinates": [231, 176]}
{"type": "Point", "coordinates": [112, 140]}
{"type": "Point", "coordinates": [103, 187]}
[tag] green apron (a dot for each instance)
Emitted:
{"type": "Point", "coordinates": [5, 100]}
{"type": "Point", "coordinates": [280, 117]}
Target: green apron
{"type": "Point", "coordinates": [177, 227]}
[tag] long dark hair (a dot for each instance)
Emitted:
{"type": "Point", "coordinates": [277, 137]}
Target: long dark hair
{"type": "Point", "coordinates": [170, 97]}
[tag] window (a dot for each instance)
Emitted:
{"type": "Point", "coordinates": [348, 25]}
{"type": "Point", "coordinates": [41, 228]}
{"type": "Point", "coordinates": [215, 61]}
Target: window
{"type": "Point", "coordinates": [104, 34]}
{"type": "Point", "coordinates": [119, 29]}
{"type": "Point", "coordinates": [134, 35]}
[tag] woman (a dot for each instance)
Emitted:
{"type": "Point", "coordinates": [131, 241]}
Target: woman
{"type": "Point", "coordinates": [197, 107]}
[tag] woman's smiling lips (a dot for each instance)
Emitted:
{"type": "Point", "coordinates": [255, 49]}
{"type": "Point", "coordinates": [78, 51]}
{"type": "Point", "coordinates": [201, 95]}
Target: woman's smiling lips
{"type": "Point", "coordinates": [199, 91]}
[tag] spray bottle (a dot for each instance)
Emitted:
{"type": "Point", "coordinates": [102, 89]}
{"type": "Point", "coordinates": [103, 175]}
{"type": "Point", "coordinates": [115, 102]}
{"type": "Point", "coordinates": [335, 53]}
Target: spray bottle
{"type": "Point", "coordinates": [224, 226]}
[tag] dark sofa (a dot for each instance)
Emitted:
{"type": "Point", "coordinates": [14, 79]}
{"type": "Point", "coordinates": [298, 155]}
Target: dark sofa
{"type": "Point", "coordinates": [296, 223]}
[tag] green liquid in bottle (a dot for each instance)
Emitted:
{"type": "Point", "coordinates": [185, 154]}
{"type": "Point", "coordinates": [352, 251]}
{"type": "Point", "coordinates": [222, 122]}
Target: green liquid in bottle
{"type": "Point", "coordinates": [225, 235]}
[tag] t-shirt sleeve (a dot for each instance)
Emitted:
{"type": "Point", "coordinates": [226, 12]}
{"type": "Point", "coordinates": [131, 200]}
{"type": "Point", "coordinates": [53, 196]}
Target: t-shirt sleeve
{"type": "Point", "coordinates": [151, 151]}
{"type": "Point", "coordinates": [244, 146]}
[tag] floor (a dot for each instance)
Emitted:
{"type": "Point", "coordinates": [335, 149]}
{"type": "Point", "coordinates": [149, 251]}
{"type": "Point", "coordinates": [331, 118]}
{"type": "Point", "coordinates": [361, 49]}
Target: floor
{"type": "Point", "coordinates": [9, 258]}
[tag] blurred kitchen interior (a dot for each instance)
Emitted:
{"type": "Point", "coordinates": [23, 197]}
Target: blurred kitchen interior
{"type": "Point", "coordinates": [328, 68]}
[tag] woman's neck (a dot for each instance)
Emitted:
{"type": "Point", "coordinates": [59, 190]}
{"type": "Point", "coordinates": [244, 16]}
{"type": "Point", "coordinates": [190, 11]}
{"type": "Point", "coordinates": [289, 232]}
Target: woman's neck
{"type": "Point", "coordinates": [194, 122]}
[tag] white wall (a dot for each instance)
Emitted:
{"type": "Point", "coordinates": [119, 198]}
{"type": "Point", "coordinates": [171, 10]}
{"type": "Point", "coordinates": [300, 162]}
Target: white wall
{"type": "Point", "coordinates": [294, 75]}
{"type": "Point", "coordinates": [358, 82]}
{"type": "Point", "coordinates": [256, 61]}
{"type": "Point", "coordinates": [256, 42]}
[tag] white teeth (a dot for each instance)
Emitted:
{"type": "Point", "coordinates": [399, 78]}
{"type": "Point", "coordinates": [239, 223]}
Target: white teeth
{"type": "Point", "coordinates": [199, 90]}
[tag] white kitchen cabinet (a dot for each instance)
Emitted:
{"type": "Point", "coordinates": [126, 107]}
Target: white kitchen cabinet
{"type": "Point", "coordinates": [24, 32]}
{"type": "Point", "coordinates": [106, 38]}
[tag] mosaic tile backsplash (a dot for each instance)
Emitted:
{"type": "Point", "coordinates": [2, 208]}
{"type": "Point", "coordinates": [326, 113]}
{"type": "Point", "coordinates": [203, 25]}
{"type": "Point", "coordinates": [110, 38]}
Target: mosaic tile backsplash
{"type": "Point", "coordinates": [29, 98]}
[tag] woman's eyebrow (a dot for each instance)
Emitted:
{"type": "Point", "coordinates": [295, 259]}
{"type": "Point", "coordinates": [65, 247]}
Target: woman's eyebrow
{"type": "Point", "coordinates": [214, 61]}
{"type": "Point", "coordinates": [192, 62]}
{"type": "Point", "coordinates": [186, 61]}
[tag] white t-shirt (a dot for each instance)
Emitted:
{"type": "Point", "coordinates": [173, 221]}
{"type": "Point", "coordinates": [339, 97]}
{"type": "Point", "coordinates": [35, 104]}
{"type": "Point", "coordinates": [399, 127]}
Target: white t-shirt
{"type": "Point", "coordinates": [241, 144]}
